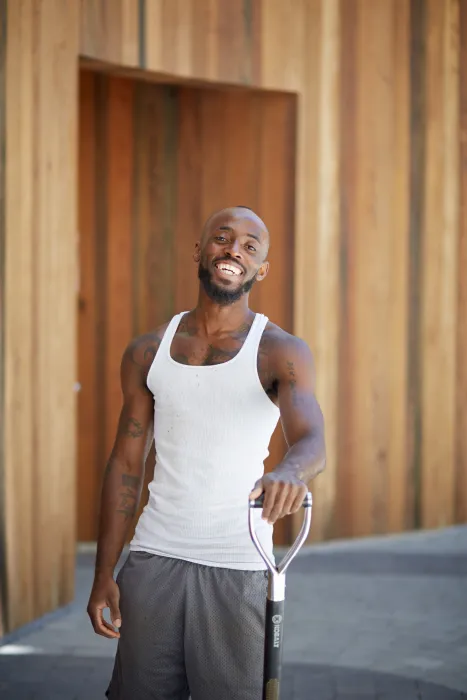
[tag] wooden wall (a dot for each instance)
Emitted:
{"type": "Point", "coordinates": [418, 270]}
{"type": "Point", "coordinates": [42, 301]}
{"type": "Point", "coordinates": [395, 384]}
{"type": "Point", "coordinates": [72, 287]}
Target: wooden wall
{"type": "Point", "coordinates": [155, 162]}
{"type": "Point", "coordinates": [380, 244]}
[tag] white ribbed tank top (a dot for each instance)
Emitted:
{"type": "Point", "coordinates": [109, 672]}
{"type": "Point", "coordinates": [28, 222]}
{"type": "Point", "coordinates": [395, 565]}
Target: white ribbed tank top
{"type": "Point", "coordinates": [212, 428]}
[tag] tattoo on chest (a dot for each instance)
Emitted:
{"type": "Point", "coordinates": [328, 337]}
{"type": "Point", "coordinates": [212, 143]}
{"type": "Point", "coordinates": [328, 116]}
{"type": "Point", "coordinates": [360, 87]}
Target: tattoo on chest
{"type": "Point", "coordinates": [212, 354]}
{"type": "Point", "coordinates": [187, 351]}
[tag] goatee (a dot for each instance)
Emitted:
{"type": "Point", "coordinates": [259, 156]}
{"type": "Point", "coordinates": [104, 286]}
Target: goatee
{"type": "Point", "coordinates": [219, 295]}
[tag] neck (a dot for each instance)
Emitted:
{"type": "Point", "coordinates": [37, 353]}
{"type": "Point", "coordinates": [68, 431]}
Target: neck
{"type": "Point", "coordinates": [213, 318]}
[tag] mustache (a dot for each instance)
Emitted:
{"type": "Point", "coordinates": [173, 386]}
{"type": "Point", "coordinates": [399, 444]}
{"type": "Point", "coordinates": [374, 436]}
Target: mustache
{"type": "Point", "coordinates": [229, 261]}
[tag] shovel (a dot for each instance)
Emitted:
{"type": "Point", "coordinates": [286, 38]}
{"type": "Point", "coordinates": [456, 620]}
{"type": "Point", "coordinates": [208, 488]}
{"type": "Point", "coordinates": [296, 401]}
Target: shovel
{"type": "Point", "coordinates": [275, 599]}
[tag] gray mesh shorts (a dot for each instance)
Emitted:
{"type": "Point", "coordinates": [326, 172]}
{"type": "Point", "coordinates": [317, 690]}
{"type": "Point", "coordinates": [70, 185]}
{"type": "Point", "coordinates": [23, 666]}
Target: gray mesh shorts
{"type": "Point", "coordinates": [188, 631]}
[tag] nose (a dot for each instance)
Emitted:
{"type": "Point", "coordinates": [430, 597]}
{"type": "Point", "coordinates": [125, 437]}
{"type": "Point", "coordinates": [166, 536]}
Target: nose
{"type": "Point", "coordinates": [234, 249]}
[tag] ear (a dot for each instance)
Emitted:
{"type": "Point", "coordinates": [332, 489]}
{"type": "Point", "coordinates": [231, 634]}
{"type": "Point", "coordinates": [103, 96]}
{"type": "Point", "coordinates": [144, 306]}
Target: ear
{"type": "Point", "coordinates": [197, 253]}
{"type": "Point", "coordinates": [263, 271]}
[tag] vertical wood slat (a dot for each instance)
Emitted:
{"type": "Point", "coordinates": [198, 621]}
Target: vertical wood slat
{"type": "Point", "coordinates": [177, 37]}
{"type": "Point", "coordinates": [372, 367]}
{"type": "Point", "coordinates": [18, 466]}
{"type": "Point", "coordinates": [417, 144]}
{"type": "Point", "coordinates": [119, 305]}
{"type": "Point", "coordinates": [142, 148]}
{"type": "Point", "coordinates": [56, 276]}
{"type": "Point", "coordinates": [461, 403]}
{"type": "Point", "coordinates": [130, 46]}
{"type": "Point", "coordinates": [191, 162]}
{"type": "Point", "coordinates": [326, 263]}
{"type": "Point", "coordinates": [438, 340]}
{"type": "Point", "coordinates": [281, 58]}
{"type": "Point", "coordinates": [399, 516]}
{"type": "Point", "coordinates": [87, 321]}
{"type": "Point", "coordinates": [205, 42]}
{"type": "Point", "coordinates": [152, 33]}
{"type": "Point", "coordinates": [3, 570]}
{"type": "Point", "coordinates": [40, 289]}
{"type": "Point", "coordinates": [109, 31]}
{"type": "Point", "coordinates": [345, 505]}
{"type": "Point", "coordinates": [365, 363]}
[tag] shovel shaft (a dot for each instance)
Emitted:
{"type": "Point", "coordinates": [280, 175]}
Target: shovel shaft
{"type": "Point", "coordinates": [273, 648]}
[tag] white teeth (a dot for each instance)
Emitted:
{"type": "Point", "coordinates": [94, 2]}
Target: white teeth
{"type": "Point", "coordinates": [230, 269]}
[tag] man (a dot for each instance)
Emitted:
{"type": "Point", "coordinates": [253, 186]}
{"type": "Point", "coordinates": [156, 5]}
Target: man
{"type": "Point", "coordinates": [188, 605]}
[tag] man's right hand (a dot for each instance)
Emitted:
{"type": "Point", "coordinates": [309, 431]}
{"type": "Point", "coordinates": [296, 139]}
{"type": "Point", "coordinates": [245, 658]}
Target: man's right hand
{"type": "Point", "coordinates": [105, 594]}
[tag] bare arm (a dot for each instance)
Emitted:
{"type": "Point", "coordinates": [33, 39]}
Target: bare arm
{"type": "Point", "coordinates": [301, 416]}
{"type": "Point", "coordinates": [303, 426]}
{"type": "Point", "coordinates": [123, 480]}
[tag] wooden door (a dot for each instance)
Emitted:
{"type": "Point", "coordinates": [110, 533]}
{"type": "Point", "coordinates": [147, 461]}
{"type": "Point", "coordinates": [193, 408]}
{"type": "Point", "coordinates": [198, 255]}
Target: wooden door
{"type": "Point", "coordinates": [155, 161]}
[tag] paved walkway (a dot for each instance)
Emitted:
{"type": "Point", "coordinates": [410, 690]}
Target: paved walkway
{"type": "Point", "coordinates": [380, 618]}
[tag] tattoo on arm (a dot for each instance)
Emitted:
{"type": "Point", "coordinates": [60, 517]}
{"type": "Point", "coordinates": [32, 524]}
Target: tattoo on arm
{"type": "Point", "coordinates": [149, 355]}
{"type": "Point", "coordinates": [292, 381]}
{"type": "Point", "coordinates": [144, 350]}
{"type": "Point", "coordinates": [110, 464]}
{"type": "Point", "coordinates": [129, 495]}
{"type": "Point", "coordinates": [132, 428]}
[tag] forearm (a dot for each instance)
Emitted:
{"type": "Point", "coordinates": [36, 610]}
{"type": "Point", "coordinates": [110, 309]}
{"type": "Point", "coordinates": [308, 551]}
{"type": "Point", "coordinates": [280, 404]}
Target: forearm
{"type": "Point", "coordinates": [306, 458]}
{"type": "Point", "coordinates": [121, 492]}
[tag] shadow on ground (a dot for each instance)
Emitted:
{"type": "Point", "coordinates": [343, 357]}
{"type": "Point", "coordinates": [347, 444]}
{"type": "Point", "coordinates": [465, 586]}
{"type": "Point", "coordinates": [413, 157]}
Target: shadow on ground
{"type": "Point", "coordinates": [46, 677]}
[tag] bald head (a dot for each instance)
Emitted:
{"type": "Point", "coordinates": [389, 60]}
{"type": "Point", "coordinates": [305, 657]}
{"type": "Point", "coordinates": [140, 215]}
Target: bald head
{"type": "Point", "coordinates": [243, 216]}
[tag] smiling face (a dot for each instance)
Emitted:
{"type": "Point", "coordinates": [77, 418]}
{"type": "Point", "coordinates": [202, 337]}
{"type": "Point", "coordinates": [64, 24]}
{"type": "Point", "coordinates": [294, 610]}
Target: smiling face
{"type": "Point", "coordinates": [232, 254]}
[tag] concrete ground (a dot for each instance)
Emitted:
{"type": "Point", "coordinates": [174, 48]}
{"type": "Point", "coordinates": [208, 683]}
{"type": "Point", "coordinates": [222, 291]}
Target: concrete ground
{"type": "Point", "coordinates": [378, 618]}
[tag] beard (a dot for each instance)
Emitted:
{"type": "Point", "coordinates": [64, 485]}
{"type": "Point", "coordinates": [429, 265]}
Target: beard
{"type": "Point", "coordinates": [220, 295]}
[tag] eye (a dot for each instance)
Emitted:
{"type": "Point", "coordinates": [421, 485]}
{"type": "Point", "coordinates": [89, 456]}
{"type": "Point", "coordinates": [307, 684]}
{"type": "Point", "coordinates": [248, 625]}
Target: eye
{"type": "Point", "coordinates": [220, 238]}
{"type": "Point", "coordinates": [251, 247]}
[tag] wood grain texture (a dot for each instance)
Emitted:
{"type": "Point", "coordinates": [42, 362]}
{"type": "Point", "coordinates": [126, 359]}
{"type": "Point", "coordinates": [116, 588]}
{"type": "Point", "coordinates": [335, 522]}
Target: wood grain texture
{"type": "Point", "coordinates": [87, 321]}
{"type": "Point", "coordinates": [461, 375]}
{"type": "Point", "coordinates": [3, 567]}
{"type": "Point", "coordinates": [374, 269]}
{"type": "Point", "coordinates": [439, 296]}
{"type": "Point", "coordinates": [56, 276]}
{"type": "Point", "coordinates": [19, 330]}
{"type": "Point", "coordinates": [40, 289]}
{"type": "Point", "coordinates": [416, 214]}
{"type": "Point", "coordinates": [323, 286]}
{"type": "Point", "coordinates": [398, 514]}
{"type": "Point", "coordinates": [346, 506]}
{"type": "Point", "coordinates": [119, 269]}
{"type": "Point", "coordinates": [110, 31]}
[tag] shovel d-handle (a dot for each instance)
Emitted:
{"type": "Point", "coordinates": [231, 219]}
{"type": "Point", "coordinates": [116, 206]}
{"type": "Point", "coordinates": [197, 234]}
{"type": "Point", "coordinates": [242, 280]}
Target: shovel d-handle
{"type": "Point", "coordinates": [275, 599]}
{"type": "Point", "coordinates": [278, 571]}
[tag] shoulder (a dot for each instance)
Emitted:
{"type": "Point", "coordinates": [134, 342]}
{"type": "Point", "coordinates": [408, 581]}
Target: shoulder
{"type": "Point", "coordinates": [141, 351]}
{"type": "Point", "coordinates": [282, 347]}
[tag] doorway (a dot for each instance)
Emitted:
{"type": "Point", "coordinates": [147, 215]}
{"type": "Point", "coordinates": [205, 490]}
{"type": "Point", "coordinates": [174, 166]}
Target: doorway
{"type": "Point", "coordinates": [155, 161]}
